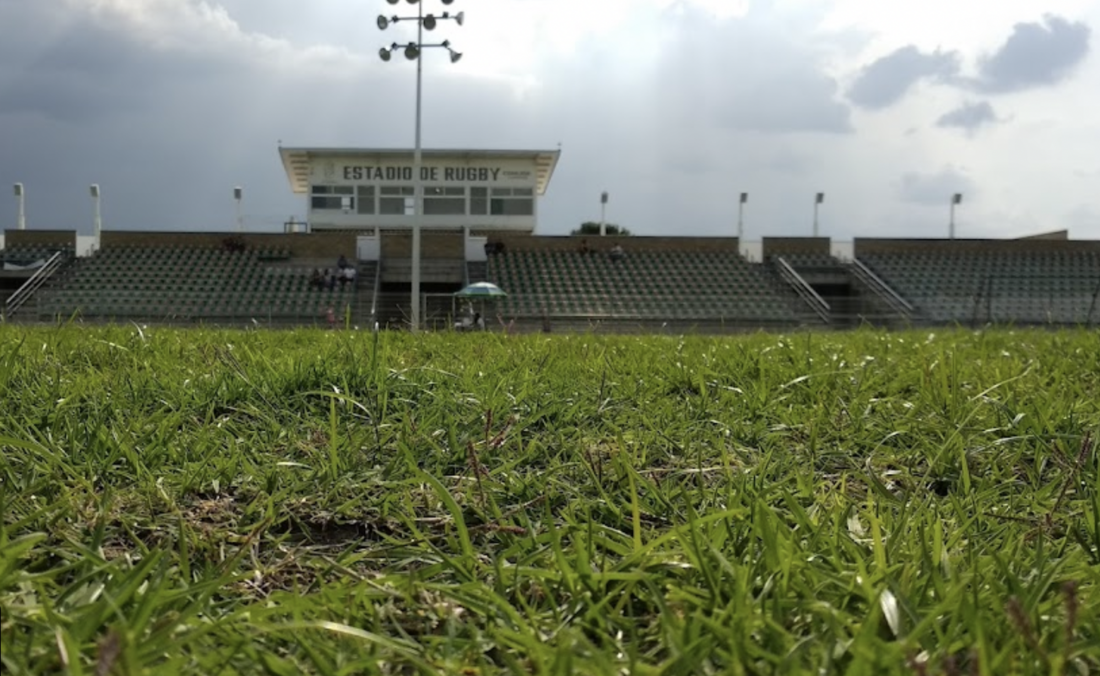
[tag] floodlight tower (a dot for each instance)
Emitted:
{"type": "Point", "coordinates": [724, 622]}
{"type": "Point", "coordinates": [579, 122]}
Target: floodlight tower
{"type": "Point", "coordinates": [956, 200]}
{"type": "Point", "coordinates": [603, 213]}
{"type": "Point", "coordinates": [238, 195]}
{"type": "Point", "coordinates": [741, 215]}
{"type": "Point", "coordinates": [21, 198]}
{"type": "Point", "coordinates": [817, 203]}
{"type": "Point", "coordinates": [97, 222]}
{"type": "Point", "coordinates": [412, 52]}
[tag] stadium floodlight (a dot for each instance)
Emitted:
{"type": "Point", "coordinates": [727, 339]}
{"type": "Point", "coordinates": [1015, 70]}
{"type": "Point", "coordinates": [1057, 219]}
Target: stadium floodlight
{"type": "Point", "coordinates": [21, 199]}
{"type": "Point", "coordinates": [956, 200]}
{"type": "Point", "coordinates": [818, 200]}
{"type": "Point", "coordinates": [603, 213]}
{"type": "Point", "coordinates": [414, 52]}
{"type": "Point", "coordinates": [97, 222]}
{"type": "Point", "coordinates": [741, 215]}
{"type": "Point", "coordinates": [238, 195]}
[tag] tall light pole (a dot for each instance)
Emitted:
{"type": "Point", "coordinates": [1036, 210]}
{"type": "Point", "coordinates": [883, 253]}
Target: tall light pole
{"type": "Point", "coordinates": [741, 215]}
{"type": "Point", "coordinates": [238, 195]}
{"type": "Point", "coordinates": [413, 52]}
{"type": "Point", "coordinates": [97, 222]}
{"type": "Point", "coordinates": [21, 198]}
{"type": "Point", "coordinates": [603, 213]}
{"type": "Point", "coordinates": [956, 200]}
{"type": "Point", "coordinates": [817, 203]}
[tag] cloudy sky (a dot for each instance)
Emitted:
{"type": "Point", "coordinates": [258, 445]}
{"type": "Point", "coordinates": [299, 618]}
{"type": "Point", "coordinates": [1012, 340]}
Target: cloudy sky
{"type": "Point", "coordinates": [674, 106]}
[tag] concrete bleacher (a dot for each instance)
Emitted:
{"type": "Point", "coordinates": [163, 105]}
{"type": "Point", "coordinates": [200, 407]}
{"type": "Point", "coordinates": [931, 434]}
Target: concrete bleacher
{"type": "Point", "coordinates": [1019, 286]}
{"type": "Point", "coordinates": [196, 284]}
{"type": "Point", "coordinates": [644, 285]}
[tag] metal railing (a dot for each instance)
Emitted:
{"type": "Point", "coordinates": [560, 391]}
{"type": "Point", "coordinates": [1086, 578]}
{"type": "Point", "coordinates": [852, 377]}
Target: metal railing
{"type": "Point", "coordinates": [803, 289]}
{"type": "Point", "coordinates": [374, 300]}
{"type": "Point", "coordinates": [40, 277]}
{"type": "Point", "coordinates": [884, 290]}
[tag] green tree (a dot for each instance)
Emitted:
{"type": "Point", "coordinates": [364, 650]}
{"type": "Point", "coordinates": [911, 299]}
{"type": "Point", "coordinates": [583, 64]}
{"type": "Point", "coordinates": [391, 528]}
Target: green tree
{"type": "Point", "coordinates": [593, 228]}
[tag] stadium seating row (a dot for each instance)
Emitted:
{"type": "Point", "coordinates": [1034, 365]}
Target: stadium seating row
{"type": "Point", "coordinates": [193, 284]}
{"type": "Point", "coordinates": [1027, 287]}
{"type": "Point", "coordinates": [643, 285]}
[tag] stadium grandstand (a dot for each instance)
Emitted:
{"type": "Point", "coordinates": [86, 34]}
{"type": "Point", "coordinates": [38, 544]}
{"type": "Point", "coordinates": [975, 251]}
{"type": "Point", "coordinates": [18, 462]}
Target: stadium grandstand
{"type": "Point", "coordinates": [479, 224]}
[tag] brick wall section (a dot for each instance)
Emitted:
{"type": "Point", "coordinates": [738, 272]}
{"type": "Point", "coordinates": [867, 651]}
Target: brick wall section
{"type": "Point", "coordinates": [778, 246]}
{"type": "Point", "coordinates": [520, 242]}
{"type": "Point", "coordinates": [865, 246]}
{"type": "Point", "coordinates": [433, 245]}
{"type": "Point", "coordinates": [39, 237]}
{"type": "Point", "coordinates": [312, 245]}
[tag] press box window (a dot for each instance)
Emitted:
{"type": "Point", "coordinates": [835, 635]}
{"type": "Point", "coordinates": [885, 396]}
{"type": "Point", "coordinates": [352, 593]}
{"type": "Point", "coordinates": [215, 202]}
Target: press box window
{"type": "Point", "coordinates": [444, 201]}
{"type": "Point", "coordinates": [332, 198]}
{"type": "Point", "coordinates": [392, 199]}
{"type": "Point", "coordinates": [366, 199]}
{"type": "Point", "coordinates": [512, 202]}
{"type": "Point", "coordinates": [479, 201]}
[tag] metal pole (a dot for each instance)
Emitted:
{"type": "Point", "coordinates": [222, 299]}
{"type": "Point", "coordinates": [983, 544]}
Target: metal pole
{"type": "Point", "coordinates": [22, 206]}
{"type": "Point", "coordinates": [416, 175]}
{"type": "Point", "coordinates": [951, 223]}
{"type": "Point", "coordinates": [603, 220]}
{"type": "Point", "coordinates": [816, 204]}
{"type": "Point", "coordinates": [97, 225]}
{"type": "Point", "coordinates": [238, 193]}
{"type": "Point", "coordinates": [740, 220]}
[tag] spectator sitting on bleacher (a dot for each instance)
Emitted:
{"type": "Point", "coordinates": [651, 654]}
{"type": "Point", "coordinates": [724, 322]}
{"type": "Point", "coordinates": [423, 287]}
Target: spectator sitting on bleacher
{"type": "Point", "coordinates": [616, 254]}
{"type": "Point", "coordinates": [342, 263]}
{"type": "Point", "coordinates": [332, 281]}
{"type": "Point", "coordinates": [315, 279]}
{"type": "Point", "coordinates": [347, 277]}
{"type": "Point", "coordinates": [583, 248]}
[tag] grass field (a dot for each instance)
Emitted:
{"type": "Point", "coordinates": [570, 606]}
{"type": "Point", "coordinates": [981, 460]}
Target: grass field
{"type": "Point", "coordinates": [354, 503]}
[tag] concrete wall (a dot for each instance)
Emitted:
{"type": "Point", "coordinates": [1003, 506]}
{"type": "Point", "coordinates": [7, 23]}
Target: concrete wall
{"type": "Point", "coordinates": [39, 237]}
{"type": "Point", "coordinates": [864, 246]}
{"type": "Point", "coordinates": [433, 245]}
{"type": "Point", "coordinates": [313, 245]}
{"type": "Point", "coordinates": [514, 242]}
{"type": "Point", "coordinates": [778, 246]}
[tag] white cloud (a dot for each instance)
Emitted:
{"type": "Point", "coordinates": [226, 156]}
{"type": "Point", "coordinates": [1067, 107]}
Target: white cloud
{"type": "Point", "coordinates": [673, 105]}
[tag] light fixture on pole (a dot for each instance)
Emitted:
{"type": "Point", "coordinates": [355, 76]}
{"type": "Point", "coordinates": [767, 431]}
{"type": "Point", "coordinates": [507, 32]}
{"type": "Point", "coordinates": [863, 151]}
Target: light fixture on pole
{"type": "Point", "coordinates": [817, 203]}
{"type": "Point", "coordinates": [741, 215]}
{"type": "Point", "coordinates": [97, 223]}
{"type": "Point", "coordinates": [21, 198]}
{"type": "Point", "coordinates": [603, 213]}
{"type": "Point", "coordinates": [956, 200]}
{"type": "Point", "coordinates": [413, 52]}
{"type": "Point", "coordinates": [238, 195]}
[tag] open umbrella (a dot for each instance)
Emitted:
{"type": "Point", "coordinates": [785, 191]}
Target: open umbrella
{"type": "Point", "coordinates": [481, 290]}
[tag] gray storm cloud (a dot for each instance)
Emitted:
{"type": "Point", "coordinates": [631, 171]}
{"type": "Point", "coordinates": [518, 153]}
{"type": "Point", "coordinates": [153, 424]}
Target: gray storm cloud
{"type": "Point", "coordinates": [171, 111]}
{"type": "Point", "coordinates": [969, 116]}
{"type": "Point", "coordinates": [887, 79]}
{"type": "Point", "coordinates": [1037, 54]}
